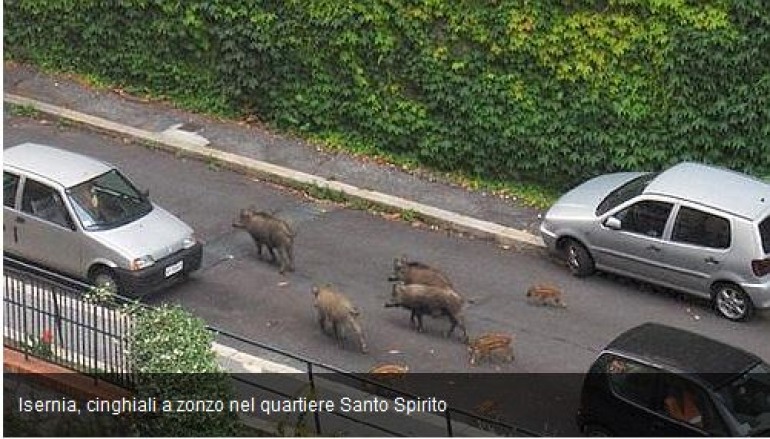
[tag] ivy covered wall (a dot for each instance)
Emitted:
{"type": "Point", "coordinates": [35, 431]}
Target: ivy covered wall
{"type": "Point", "coordinates": [547, 91]}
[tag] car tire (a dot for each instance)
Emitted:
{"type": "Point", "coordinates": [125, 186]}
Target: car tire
{"type": "Point", "coordinates": [595, 430]}
{"type": "Point", "coordinates": [732, 303]}
{"type": "Point", "coordinates": [105, 278]}
{"type": "Point", "coordinates": [579, 259]}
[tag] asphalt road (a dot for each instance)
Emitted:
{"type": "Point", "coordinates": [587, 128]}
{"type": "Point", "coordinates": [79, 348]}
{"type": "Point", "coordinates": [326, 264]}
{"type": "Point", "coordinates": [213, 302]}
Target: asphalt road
{"type": "Point", "coordinates": [353, 250]}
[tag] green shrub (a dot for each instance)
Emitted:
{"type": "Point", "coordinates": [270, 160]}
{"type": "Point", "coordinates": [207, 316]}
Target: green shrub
{"type": "Point", "coordinates": [171, 353]}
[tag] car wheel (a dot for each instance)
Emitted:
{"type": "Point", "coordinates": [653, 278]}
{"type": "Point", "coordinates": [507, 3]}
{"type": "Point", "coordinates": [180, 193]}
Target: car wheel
{"type": "Point", "coordinates": [579, 260]}
{"type": "Point", "coordinates": [593, 430]}
{"type": "Point", "coordinates": [732, 302]}
{"type": "Point", "coordinates": [106, 279]}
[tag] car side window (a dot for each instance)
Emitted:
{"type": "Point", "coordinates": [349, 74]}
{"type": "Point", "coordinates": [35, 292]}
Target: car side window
{"type": "Point", "coordinates": [645, 217]}
{"type": "Point", "coordinates": [633, 381]}
{"type": "Point", "coordinates": [685, 402]}
{"type": "Point", "coordinates": [10, 186]}
{"type": "Point", "coordinates": [696, 227]}
{"type": "Point", "coordinates": [44, 202]}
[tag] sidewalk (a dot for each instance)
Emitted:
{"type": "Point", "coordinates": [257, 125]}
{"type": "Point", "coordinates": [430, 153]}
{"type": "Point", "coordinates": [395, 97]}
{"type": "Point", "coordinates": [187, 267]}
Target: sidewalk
{"type": "Point", "coordinates": [253, 148]}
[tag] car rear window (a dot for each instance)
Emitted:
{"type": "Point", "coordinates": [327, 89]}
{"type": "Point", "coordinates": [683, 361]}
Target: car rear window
{"type": "Point", "coordinates": [625, 192]}
{"type": "Point", "coordinates": [764, 232]}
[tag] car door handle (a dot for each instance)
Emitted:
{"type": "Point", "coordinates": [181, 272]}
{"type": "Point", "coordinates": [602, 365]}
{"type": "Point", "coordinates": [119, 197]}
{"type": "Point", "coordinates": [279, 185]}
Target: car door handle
{"type": "Point", "coordinates": [20, 220]}
{"type": "Point", "coordinates": [711, 260]}
{"type": "Point", "coordinates": [653, 248]}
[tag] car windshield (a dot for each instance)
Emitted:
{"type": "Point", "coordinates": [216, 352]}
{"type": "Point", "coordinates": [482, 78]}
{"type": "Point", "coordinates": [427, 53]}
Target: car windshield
{"type": "Point", "coordinates": [107, 201]}
{"type": "Point", "coordinates": [747, 398]}
{"type": "Point", "coordinates": [625, 192]}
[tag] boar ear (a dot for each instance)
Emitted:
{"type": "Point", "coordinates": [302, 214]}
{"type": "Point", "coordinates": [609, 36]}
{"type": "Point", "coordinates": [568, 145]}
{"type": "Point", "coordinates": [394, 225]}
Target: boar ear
{"type": "Point", "coordinates": [315, 290]}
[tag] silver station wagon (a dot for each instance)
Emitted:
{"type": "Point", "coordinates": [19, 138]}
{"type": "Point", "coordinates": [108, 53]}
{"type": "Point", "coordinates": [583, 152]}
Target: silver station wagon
{"type": "Point", "coordinates": [83, 218]}
{"type": "Point", "coordinates": [696, 228]}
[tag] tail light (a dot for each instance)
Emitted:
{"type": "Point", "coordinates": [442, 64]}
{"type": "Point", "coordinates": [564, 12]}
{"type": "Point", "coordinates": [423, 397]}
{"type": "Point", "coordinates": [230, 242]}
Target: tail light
{"type": "Point", "coordinates": [761, 267]}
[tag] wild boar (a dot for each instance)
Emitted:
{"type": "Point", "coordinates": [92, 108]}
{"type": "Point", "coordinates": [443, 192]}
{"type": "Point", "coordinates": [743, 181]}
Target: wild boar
{"type": "Point", "coordinates": [413, 272]}
{"type": "Point", "coordinates": [334, 307]}
{"type": "Point", "coordinates": [434, 301]}
{"type": "Point", "coordinates": [272, 232]}
{"type": "Point", "coordinates": [544, 294]}
{"type": "Point", "coordinates": [491, 345]}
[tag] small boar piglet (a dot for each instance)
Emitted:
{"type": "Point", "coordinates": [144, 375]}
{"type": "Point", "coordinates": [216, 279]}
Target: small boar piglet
{"type": "Point", "coordinates": [545, 294]}
{"type": "Point", "coordinates": [492, 345]}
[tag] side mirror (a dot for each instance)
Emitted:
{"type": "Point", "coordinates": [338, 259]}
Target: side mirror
{"type": "Point", "coordinates": [146, 193]}
{"type": "Point", "coordinates": [612, 223]}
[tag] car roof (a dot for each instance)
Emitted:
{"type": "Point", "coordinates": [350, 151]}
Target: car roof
{"type": "Point", "coordinates": [709, 361]}
{"type": "Point", "coordinates": [720, 188]}
{"type": "Point", "coordinates": [53, 164]}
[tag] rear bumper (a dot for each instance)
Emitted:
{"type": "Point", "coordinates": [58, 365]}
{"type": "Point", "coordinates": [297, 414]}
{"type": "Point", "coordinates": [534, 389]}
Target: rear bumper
{"type": "Point", "coordinates": [154, 278]}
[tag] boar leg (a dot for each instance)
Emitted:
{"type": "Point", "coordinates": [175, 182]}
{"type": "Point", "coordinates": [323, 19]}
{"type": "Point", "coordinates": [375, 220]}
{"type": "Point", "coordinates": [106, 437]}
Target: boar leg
{"type": "Point", "coordinates": [419, 322]}
{"type": "Point", "coordinates": [412, 317]}
{"type": "Point", "coordinates": [290, 257]}
{"type": "Point", "coordinates": [457, 321]}
{"type": "Point", "coordinates": [357, 329]}
{"type": "Point", "coordinates": [258, 243]}
{"type": "Point", "coordinates": [272, 253]}
{"type": "Point", "coordinates": [285, 259]}
{"type": "Point", "coordinates": [322, 322]}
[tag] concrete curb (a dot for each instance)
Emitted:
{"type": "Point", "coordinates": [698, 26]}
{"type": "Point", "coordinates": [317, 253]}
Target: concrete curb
{"type": "Point", "coordinates": [193, 145]}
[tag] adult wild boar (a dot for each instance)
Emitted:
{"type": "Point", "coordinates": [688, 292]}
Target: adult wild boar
{"type": "Point", "coordinates": [433, 301]}
{"type": "Point", "coordinates": [334, 307]}
{"type": "Point", "coordinates": [272, 232]}
{"type": "Point", "coordinates": [413, 272]}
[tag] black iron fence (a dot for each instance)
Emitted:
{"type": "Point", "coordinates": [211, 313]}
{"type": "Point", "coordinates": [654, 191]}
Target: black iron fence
{"type": "Point", "coordinates": [50, 316]}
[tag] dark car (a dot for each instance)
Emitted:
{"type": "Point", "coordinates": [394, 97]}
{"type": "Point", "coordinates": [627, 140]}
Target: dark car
{"type": "Point", "coordinates": [655, 380]}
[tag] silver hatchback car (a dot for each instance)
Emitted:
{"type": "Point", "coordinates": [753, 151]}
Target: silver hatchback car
{"type": "Point", "coordinates": [695, 228]}
{"type": "Point", "coordinates": [83, 218]}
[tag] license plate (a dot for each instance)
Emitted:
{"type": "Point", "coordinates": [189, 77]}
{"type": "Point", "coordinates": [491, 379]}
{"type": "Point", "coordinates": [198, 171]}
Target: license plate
{"type": "Point", "coordinates": [174, 268]}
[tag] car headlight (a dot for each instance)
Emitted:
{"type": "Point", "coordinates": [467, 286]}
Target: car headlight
{"type": "Point", "coordinates": [189, 242]}
{"type": "Point", "coordinates": [141, 263]}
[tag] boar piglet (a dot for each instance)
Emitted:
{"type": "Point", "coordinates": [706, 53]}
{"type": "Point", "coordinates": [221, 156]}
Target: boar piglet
{"type": "Point", "coordinates": [545, 294]}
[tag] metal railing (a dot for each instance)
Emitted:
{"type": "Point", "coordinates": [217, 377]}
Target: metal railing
{"type": "Point", "coordinates": [47, 315]}
{"type": "Point", "coordinates": [451, 422]}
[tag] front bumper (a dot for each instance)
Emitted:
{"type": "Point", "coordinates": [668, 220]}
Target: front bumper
{"type": "Point", "coordinates": [154, 278]}
{"type": "Point", "coordinates": [549, 238]}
